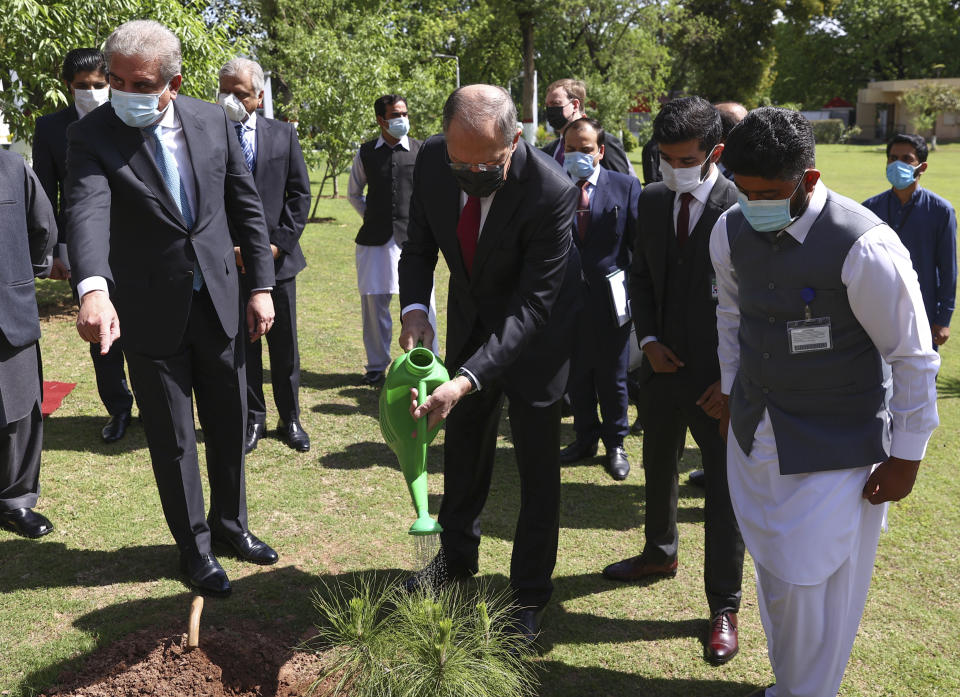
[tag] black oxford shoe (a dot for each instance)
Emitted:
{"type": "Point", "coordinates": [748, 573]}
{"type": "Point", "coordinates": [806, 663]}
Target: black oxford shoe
{"type": "Point", "coordinates": [26, 522]}
{"type": "Point", "coordinates": [116, 427]}
{"type": "Point", "coordinates": [203, 572]}
{"type": "Point", "coordinates": [617, 464]}
{"type": "Point", "coordinates": [293, 435]}
{"type": "Point", "coordinates": [578, 450]}
{"type": "Point", "coordinates": [525, 624]}
{"type": "Point", "coordinates": [374, 378]}
{"type": "Point", "coordinates": [697, 478]}
{"type": "Point", "coordinates": [247, 547]}
{"type": "Point", "coordinates": [255, 432]}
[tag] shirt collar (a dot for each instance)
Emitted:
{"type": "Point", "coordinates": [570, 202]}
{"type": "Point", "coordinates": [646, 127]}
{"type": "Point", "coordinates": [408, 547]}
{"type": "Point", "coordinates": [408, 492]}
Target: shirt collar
{"type": "Point", "coordinates": [702, 192]}
{"type": "Point", "coordinates": [250, 123]}
{"type": "Point", "coordinates": [169, 119]}
{"type": "Point", "coordinates": [403, 143]}
{"type": "Point", "coordinates": [801, 226]}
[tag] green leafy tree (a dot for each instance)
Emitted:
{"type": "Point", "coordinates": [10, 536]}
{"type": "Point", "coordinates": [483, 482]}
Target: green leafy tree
{"type": "Point", "coordinates": [927, 102]}
{"type": "Point", "coordinates": [35, 35]}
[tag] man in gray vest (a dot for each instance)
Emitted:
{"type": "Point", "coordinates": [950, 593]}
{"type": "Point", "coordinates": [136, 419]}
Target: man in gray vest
{"type": "Point", "coordinates": [818, 304]}
{"type": "Point", "coordinates": [28, 233]}
{"type": "Point", "coordinates": [384, 166]}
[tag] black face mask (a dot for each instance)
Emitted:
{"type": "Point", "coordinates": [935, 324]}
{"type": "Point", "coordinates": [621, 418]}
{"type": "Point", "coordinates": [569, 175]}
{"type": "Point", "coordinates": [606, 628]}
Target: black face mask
{"type": "Point", "coordinates": [479, 183]}
{"type": "Point", "coordinates": [555, 117]}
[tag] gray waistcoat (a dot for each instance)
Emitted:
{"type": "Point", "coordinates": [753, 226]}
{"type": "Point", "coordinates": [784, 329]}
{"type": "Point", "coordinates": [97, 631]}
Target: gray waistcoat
{"type": "Point", "coordinates": [828, 408]}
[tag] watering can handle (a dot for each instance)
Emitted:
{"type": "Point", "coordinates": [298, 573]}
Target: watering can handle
{"type": "Point", "coordinates": [422, 426]}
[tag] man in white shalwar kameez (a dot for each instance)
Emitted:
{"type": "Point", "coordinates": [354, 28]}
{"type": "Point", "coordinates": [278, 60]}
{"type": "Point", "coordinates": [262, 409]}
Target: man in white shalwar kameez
{"type": "Point", "coordinates": [826, 357]}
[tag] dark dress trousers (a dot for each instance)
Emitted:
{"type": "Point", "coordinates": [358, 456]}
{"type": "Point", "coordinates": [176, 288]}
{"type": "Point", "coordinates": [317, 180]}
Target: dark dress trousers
{"type": "Point", "coordinates": [284, 186]}
{"type": "Point", "coordinates": [50, 164]}
{"type": "Point", "coordinates": [28, 233]}
{"type": "Point", "coordinates": [508, 323]}
{"type": "Point", "coordinates": [673, 299]}
{"type": "Point", "coordinates": [598, 367]}
{"type": "Point", "coordinates": [126, 227]}
{"type": "Point", "coordinates": [614, 156]}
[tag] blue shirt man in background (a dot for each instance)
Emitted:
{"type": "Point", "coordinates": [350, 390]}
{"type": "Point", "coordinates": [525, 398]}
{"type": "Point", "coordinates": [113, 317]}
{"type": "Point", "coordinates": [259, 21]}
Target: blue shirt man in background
{"type": "Point", "coordinates": [927, 226]}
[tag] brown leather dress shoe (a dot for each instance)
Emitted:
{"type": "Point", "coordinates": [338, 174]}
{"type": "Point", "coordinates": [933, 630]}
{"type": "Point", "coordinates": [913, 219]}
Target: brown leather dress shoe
{"type": "Point", "coordinates": [722, 644]}
{"type": "Point", "coordinates": [638, 568]}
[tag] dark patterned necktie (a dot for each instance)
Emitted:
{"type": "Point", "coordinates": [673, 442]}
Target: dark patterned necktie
{"type": "Point", "coordinates": [683, 219]}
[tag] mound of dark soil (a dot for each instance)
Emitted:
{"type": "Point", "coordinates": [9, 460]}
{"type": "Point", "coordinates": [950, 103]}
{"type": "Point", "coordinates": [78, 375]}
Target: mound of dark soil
{"type": "Point", "coordinates": [228, 663]}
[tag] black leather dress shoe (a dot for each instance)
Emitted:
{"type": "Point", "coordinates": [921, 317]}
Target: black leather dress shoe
{"type": "Point", "coordinates": [578, 450]}
{"type": "Point", "coordinates": [374, 378]}
{"type": "Point", "coordinates": [434, 576]}
{"type": "Point", "coordinates": [26, 522]}
{"type": "Point", "coordinates": [247, 547]}
{"type": "Point", "coordinates": [617, 464]}
{"type": "Point", "coordinates": [698, 478]}
{"type": "Point", "coordinates": [255, 432]}
{"type": "Point", "coordinates": [204, 573]}
{"type": "Point", "coordinates": [116, 427]}
{"type": "Point", "coordinates": [525, 623]}
{"type": "Point", "coordinates": [293, 435]}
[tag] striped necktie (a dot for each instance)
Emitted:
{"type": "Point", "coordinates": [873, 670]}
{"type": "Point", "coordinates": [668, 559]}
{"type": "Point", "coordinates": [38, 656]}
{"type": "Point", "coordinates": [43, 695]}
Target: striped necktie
{"type": "Point", "coordinates": [167, 165]}
{"type": "Point", "coordinates": [247, 146]}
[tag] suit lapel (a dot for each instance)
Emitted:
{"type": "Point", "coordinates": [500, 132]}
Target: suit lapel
{"type": "Point", "coordinates": [667, 237]}
{"type": "Point", "coordinates": [194, 133]}
{"type": "Point", "coordinates": [138, 153]}
{"type": "Point", "coordinates": [598, 202]}
{"type": "Point", "coordinates": [701, 231]}
{"type": "Point", "coordinates": [263, 135]}
{"type": "Point", "coordinates": [501, 210]}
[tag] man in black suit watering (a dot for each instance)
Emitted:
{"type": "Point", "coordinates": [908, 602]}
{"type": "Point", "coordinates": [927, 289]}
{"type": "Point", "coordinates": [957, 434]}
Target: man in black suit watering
{"type": "Point", "coordinates": [154, 186]}
{"type": "Point", "coordinates": [501, 214]}
{"type": "Point", "coordinates": [272, 152]}
{"type": "Point", "coordinates": [28, 233]}
{"type": "Point", "coordinates": [85, 75]}
{"type": "Point", "coordinates": [674, 299]}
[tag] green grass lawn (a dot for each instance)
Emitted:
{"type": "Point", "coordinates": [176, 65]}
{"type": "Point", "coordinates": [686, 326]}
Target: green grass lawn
{"type": "Point", "coordinates": [110, 566]}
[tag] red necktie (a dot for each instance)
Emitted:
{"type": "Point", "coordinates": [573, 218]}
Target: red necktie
{"type": "Point", "coordinates": [468, 230]}
{"type": "Point", "coordinates": [559, 154]}
{"type": "Point", "coordinates": [683, 219]}
{"type": "Point", "coordinates": [583, 210]}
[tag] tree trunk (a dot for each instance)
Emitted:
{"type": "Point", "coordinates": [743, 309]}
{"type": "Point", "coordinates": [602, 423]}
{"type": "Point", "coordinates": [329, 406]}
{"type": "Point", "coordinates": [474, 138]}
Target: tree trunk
{"type": "Point", "coordinates": [526, 31]}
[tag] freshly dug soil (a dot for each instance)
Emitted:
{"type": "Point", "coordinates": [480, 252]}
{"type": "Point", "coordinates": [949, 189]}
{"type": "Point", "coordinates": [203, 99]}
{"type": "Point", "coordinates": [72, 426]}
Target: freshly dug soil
{"type": "Point", "coordinates": [228, 663]}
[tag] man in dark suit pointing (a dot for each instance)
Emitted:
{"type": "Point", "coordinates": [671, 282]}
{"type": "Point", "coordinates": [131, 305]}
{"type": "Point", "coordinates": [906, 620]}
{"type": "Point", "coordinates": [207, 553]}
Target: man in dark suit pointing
{"type": "Point", "coordinates": [150, 189]}
{"type": "Point", "coordinates": [501, 214]}
{"type": "Point", "coordinates": [272, 152]}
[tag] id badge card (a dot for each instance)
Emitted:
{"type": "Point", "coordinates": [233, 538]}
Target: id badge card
{"type": "Point", "coordinates": [808, 335]}
{"type": "Point", "coordinates": [714, 289]}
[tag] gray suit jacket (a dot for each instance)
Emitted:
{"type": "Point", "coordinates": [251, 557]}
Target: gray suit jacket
{"type": "Point", "coordinates": [124, 225]}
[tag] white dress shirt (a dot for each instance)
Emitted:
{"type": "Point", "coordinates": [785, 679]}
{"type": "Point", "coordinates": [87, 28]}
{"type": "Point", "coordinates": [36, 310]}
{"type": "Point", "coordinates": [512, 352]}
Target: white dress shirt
{"type": "Point", "coordinates": [171, 133]}
{"type": "Point", "coordinates": [249, 131]}
{"type": "Point", "coordinates": [803, 526]}
{"type": "Point", "coordinates": [699, 201]}
{"type": "Point", "coordinates": [591, 180]}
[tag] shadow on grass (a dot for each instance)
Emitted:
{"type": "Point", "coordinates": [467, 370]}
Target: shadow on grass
{"type": "Point", "coordinates": [376, 454]}
{"type": "Point", "coordinates": [367, 403]}
{"type": "Point", "coordinates": [559, 680]}
{"type": "Point", "coordinates": [948, 387]}
{"type": "Point", "coordinates": [82, 433]}
{"type": "Point", "coordinates": [279, 601]}
{"type": "Point", "coordinates": [331, 381]}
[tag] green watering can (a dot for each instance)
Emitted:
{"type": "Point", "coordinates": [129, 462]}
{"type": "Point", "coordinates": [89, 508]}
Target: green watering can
{"type": "Point", "coordinates": [407, 438]}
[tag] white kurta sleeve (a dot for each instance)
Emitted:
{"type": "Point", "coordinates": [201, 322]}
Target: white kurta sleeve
{"type": "Point", "coordinates": [728, 308]}
{"type": "Point", "coordinates": [885, 298]}
{"type": "Point", "coordinates": [356, 184]}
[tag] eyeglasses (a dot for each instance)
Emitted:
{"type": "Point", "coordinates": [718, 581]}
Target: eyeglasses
{"type": "Point", "coordinates": [480, 166]}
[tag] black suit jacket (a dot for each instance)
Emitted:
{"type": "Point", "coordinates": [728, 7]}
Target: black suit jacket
{"type": "Point", "coordinates": [284, 186]}
{"type": "Point", "coordinates": [649, 275]}
{"type": "Point", "coordinates": [614, 156]}
{"type": "Point", "coordinates": [124, 225]}
{"type": "Point", "coordinates": [509, 321]}
{"type": "Point", "coordinates": [50, 157]}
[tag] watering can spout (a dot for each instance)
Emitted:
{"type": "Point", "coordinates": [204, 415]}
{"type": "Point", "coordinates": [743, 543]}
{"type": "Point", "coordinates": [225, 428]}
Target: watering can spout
{"type": "Point", "coordinates": [408, 438]}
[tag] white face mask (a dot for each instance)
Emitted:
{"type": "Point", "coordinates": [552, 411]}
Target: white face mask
{"type": "Point", "coordinates": [88, 100]}
{"type": "Point", "coordinates": [233, 106]}
{"type": "Point", "coordinates": [683, 180]}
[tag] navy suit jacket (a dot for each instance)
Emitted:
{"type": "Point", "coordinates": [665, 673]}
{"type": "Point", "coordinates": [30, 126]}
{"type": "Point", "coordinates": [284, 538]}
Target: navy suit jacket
{"type": "Point", "coordinates": [124, 225]}
{"type": "Point", "coordinates": [608, 244]}
{"type": "Point", "coordinates": [50, 157]}
{"type": "Point", "coordinates": [284, 187]}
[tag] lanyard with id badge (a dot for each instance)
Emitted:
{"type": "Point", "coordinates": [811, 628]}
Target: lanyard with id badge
{"type": "Point", "coordinates": [811, 333]}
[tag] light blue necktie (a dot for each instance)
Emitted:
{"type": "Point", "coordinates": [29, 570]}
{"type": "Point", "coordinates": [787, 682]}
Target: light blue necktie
{"type": "Point", "coordinates": [171, 177]}
{"type": "Point", "coordinates": [248, 155]}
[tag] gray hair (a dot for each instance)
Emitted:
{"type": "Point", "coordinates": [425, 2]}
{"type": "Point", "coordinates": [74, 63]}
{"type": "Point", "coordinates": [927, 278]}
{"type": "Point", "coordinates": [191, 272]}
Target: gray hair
{"type": "Point", "coordinates": [475, 106]}
{"type": "Point", "coordinates": [148, 40]}
{"type": "Point", "coordinates": [235, 67]}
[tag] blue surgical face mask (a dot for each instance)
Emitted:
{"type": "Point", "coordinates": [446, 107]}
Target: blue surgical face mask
{"type": "Point", "coordinates": [580, 165]}
{"type": "Point", "coordinates": [398, 127]}
{"type": "Point", "coordinates": [135, 109]}
{"type": "Point", "coordinates": [901, 175]}
{"type": "Point", "coordinates": [768, 216]}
